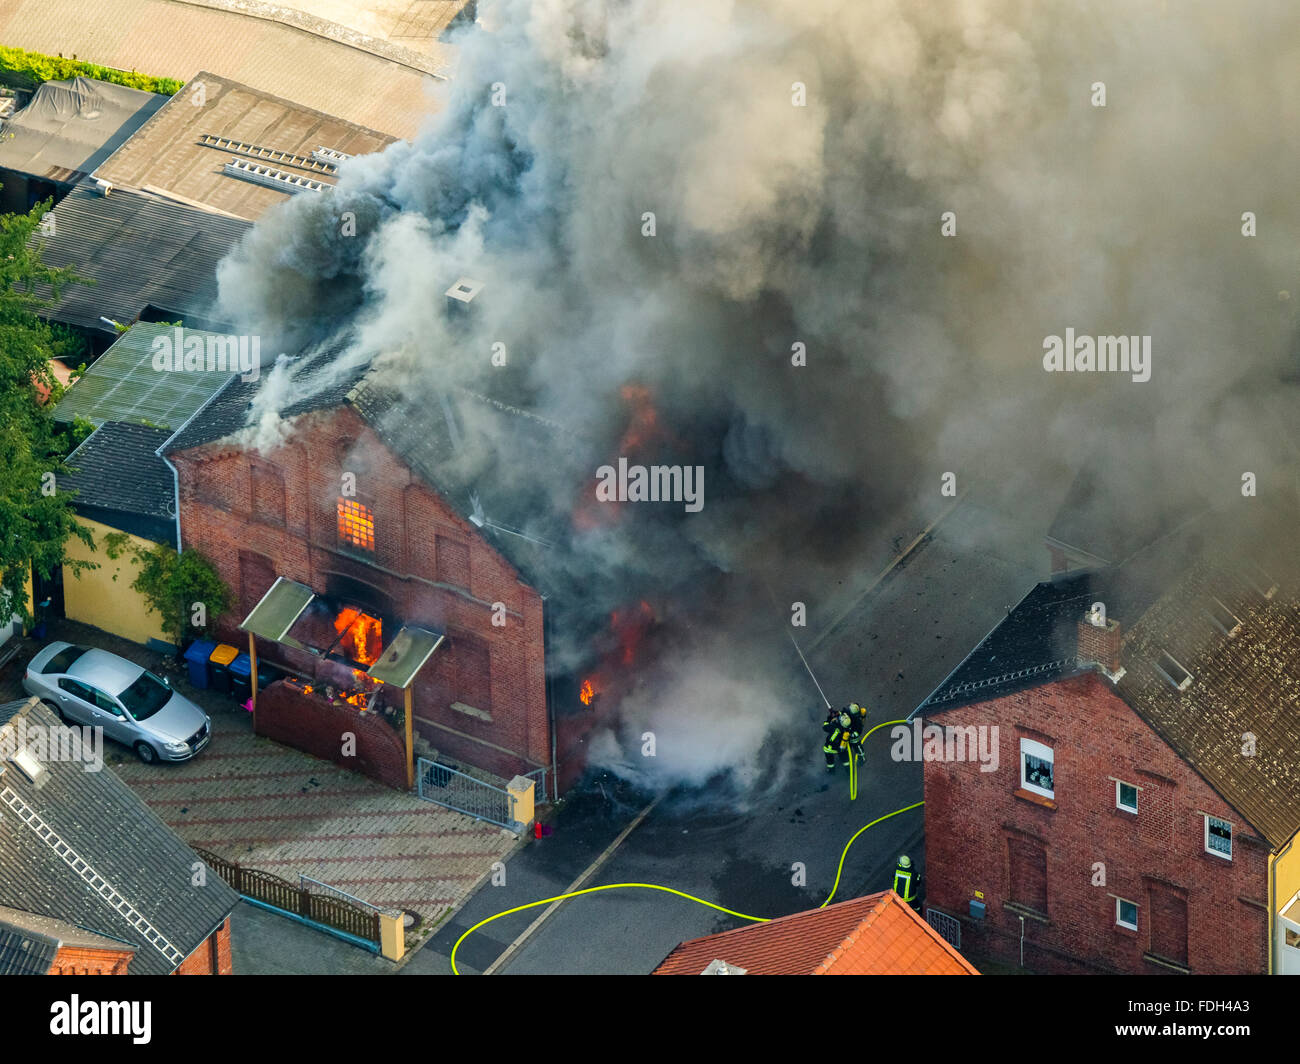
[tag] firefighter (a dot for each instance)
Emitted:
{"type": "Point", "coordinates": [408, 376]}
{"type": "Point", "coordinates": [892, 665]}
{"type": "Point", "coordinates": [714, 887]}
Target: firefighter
{"type": "Point", "coordinates": [843, 734]}
{"type": "Point", "coordinates": [907, 882]}
{"type": "Point", "coordinates": [859, 716]}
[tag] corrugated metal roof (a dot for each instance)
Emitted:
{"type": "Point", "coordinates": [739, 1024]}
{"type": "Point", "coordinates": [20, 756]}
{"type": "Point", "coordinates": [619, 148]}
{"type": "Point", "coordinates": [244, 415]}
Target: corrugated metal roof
{"type": "Point", "coordinates": [140, 250]}
{"type": "Point", "coordinates": [123, 385]}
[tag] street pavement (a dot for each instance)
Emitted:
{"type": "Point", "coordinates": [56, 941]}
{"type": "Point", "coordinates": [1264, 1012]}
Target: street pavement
{"type": "Point", "coordinates": [889, 650]}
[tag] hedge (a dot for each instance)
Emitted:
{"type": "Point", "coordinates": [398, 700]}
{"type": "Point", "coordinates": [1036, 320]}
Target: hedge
{"type": "Point", "coordinates": [29, 69]}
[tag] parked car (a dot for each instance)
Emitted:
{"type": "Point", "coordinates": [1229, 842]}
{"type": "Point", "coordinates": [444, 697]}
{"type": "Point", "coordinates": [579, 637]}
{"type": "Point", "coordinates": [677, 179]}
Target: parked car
{"type": "Point", "coordinates": [93, 687]}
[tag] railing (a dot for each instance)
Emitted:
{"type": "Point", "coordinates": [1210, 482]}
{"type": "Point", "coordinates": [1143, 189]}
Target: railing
{"type": "Point", "coordinates": [448, 786]}
{"type": "Point", "coordinates": [539, 774]}
{"type": "Point", "coordinates": [326, 905]}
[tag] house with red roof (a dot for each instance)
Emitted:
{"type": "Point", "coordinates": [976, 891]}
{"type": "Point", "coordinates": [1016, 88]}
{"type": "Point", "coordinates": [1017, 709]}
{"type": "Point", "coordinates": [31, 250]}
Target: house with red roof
{"type": "Point", "coordinates": [874, 935]}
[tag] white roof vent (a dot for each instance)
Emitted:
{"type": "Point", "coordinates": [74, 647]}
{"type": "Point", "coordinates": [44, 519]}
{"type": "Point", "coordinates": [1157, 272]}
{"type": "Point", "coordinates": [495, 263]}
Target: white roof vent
{"type": "Point", "coordinates": [464, 290]}
{"type": "Point", "coordinates": [723, 968]}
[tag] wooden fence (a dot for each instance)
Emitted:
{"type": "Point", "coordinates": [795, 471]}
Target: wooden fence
{"type": "Point", "coordinates": [338, 913]}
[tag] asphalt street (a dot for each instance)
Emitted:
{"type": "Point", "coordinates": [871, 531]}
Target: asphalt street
{"type": "Point", "coordinates": [888, 651]}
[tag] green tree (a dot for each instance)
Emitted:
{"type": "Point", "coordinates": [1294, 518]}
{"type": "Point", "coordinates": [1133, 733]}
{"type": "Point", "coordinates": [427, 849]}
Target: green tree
{"type": "Point", "coordinates": [36, 519]}
{"type": "Point", "coordinates": [175, 584]}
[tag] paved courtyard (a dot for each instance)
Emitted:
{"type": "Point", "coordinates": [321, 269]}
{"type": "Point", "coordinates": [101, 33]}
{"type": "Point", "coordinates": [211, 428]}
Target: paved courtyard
{"type": "Point", "coordinates": [267, 806]}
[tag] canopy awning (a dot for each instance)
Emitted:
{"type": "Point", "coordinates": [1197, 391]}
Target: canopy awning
{"type": "Point", "coordinates": [279, 609]}
{"type": "Point", "coordinates": [405, 656]}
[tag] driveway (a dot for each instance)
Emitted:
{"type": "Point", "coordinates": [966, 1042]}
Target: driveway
{"type": "Point", "coordinates": [267, 806]}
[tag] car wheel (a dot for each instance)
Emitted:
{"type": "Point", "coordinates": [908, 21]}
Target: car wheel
{"type": "Point", "coordinates": [146, 753]}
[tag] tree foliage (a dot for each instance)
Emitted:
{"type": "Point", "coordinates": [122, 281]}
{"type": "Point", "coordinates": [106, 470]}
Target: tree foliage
{"type": "Point", "coordinates": [35, 518]}
{"type": "Point", "coordinates": [174, 584]}
{"type": "Point", "coordinates": [29, 69]}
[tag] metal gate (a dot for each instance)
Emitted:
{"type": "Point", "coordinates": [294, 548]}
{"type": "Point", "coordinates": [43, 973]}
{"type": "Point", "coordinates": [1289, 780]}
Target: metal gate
{"type": "Point", "coordinates": [448, 786]}
{"type": "Point", "coordinates": [949, 927]}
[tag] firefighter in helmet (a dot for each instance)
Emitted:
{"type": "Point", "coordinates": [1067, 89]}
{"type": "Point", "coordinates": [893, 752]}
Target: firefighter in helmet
{"type": "Point", "coordinates": [843, 730]}
{"type": "Point", "coordinates": [907, 881]}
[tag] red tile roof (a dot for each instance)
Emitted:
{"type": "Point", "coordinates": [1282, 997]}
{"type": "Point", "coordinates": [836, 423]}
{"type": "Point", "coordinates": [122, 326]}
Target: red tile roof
{"type": "Point", "coordinates": [875, 935]}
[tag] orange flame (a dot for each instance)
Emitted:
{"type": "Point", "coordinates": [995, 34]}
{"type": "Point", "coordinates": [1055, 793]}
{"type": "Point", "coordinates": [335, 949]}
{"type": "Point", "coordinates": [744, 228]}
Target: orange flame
{"type": "Point", "coordinates": [364, 635]}
{"type": "Point", "coordinates": [587, 693]}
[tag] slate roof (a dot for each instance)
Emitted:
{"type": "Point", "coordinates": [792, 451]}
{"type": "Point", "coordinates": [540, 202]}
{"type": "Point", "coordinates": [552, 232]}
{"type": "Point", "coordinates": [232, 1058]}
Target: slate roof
{"type": "Point", "coordinates": [141, 863]}
{"type": "Point", "coordinates": [1167, 598]}
{"type": "Point", "coordinates": [474, 451]}
{"type": "Point", "coordinates": [116, 468]}
{"type": "Point", "coordinates": [874, 935]}
{"type": "Point", "coordinates": [168, 155]}
{"type": "Point", "coordinates": [141, 251]}
{"type": "Point", "coordinates": [69, 127]}
{"type": "Point", "coordinates": [1036, 642]}
{"type": "Point", "coordinates": [29, 942]}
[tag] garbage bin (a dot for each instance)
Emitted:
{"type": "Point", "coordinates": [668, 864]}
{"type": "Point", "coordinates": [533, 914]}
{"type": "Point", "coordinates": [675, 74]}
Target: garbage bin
{"type": "Point", "coordinates": [196, 657]}
{"type": "Point", "coordinates": [219, 667]}
{"type": "Point", "coordinates": [241, 683]}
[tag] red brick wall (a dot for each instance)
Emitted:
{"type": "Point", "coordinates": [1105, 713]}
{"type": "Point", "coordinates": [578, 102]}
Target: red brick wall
{"type": "Point", "coordinates": [310, 723]}
{"type": "Point", "coordinates": [76, 961]}
{"type": "Point", "coordinates": [212, 957]}
{"type": "Point", "coordinates": [974, 822]}
{"type": "Point", "coordinates": [455, 597]}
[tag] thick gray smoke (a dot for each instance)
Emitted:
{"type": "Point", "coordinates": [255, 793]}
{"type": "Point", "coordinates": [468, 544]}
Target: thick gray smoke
{"type": "Point", "coordinates": [798, 157]}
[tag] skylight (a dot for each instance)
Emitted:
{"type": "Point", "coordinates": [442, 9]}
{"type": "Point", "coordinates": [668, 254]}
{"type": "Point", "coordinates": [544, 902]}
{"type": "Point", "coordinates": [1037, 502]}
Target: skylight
{"type": "Point", "coordinates": [1173, 672]}
{"type": "Point", "coordinates": [1223, 618]}
{"type": "Point", "coordinates": [1264, 584]}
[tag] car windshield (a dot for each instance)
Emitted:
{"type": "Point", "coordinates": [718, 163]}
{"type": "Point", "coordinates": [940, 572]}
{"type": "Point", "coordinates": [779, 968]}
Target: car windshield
{"type": "Point", "coordinates": [62, 661]}
{"type": "Point", "coordinates": [146, 696]}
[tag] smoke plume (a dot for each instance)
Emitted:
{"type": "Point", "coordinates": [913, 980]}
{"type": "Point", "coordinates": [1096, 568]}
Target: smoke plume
{"type": "Point", "coordinates": [798, 157]}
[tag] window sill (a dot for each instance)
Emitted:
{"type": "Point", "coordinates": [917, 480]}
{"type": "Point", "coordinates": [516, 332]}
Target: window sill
{"type": "Point", "coordinates": [1127, 932]}
{"type": "Point", "coordinates": [1036, 799]}
{"type": "Point", "coordinates": [472, 711]}
{"type": "Point", "coordinates": [1025, 911]}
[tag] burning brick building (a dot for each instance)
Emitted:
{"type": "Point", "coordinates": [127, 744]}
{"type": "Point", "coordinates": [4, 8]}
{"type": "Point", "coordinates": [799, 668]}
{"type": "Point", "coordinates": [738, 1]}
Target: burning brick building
{"type": "Point", "coordinates": [379, 507]}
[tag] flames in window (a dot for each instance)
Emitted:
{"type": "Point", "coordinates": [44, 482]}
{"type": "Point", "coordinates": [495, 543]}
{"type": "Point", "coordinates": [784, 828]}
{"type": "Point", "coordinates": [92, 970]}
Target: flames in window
{"type": "Point", "coordinates": [361, 637]}
{"type": "Point", "coordinates": [356, 524]}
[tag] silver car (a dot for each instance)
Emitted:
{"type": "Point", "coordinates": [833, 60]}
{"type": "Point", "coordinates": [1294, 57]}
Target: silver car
{"type": "Point", "coordinates": [132, 705]}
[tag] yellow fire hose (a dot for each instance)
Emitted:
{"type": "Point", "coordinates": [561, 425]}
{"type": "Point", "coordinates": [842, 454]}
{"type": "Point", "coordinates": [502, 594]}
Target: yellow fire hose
{"type": "Point", "coordinates": [682, 894]}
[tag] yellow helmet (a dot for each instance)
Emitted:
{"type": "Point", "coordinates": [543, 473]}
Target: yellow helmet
{"type": "Point", "coordinates": [904, 862]}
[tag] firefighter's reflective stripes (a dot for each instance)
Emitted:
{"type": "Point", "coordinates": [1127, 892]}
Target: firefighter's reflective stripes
{"type": "Point", "coordinates": [903, 884]}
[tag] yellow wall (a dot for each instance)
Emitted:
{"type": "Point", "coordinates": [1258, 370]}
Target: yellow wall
{"type": "Point", "coordinates": [94, 597]}
{"type": "Point", "coordinates": [1284, 881]}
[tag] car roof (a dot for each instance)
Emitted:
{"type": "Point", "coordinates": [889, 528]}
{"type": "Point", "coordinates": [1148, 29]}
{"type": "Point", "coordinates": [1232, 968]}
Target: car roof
{"type": "Point", "coordinates": [106, 671]}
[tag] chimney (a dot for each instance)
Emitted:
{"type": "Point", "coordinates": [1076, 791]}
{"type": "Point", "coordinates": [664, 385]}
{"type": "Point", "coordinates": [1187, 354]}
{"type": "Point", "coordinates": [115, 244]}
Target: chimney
{"type": "Point", "coordinates": [1099, 639]}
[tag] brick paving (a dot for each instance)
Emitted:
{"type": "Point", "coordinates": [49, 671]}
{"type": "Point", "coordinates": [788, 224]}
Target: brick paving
{"type": "Point", "coordinates": [267, 806]}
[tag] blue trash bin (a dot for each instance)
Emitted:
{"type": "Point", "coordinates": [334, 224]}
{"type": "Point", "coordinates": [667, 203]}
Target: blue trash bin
{"type": "Point", "coordinates": [241, 684]}
{"type": "Point", "coordinates": [197, 658]}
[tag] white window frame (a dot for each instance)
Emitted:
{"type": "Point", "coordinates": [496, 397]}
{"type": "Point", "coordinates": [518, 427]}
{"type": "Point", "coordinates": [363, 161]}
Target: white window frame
{"type": "Point", "coordinates": [1218, 853]}
{"type": "Point", "coordinates": [1119, 909]}
{"type": "Point", "coordinates": [1119, 804]}
{"type": "Point", "coordinates": [1043, 753]}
